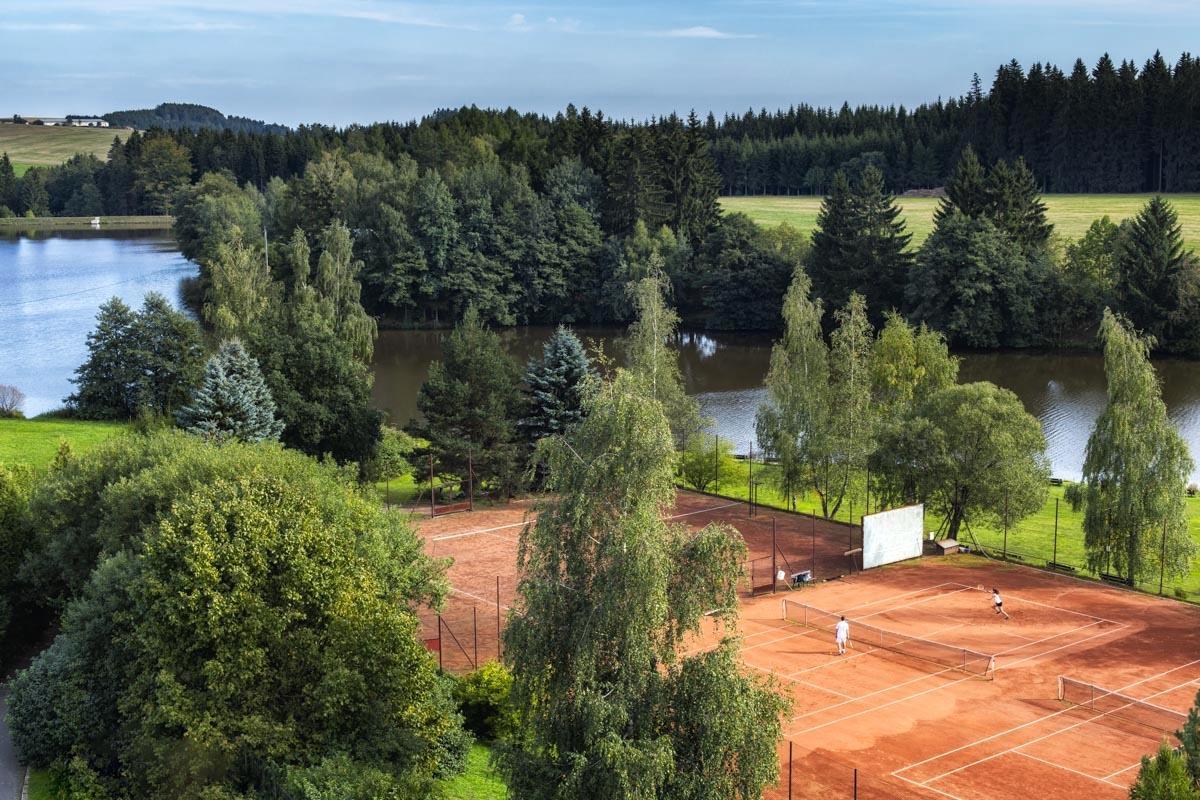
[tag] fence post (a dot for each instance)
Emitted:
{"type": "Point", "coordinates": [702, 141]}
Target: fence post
{"type": "Point", "coordinates": [470, 480]}
{"type": "Point", "coordinates": [716, 463]}
{"type": "Point", "coordinates": [750, 482]}
{"type": "Point", "coordinates": [1054, 558]}
{"type": "Point", "coordinates": [439, 618]}
{"type": "Point", "coordinates": [1005, 525]}
{"type": "Point", "coordinates": [1162, 561]}
{"type": "Point", "coordinates": [498, 643]}
{"type": "Point", "coordinates": [852, 522]}
{"type": "Point", "coordinates": [856, 783]}
{"type": "Point", "coordinates": [814, 545]}
{"type": "Point", "coordinates": [774, 563]}
{"type": "Point", "coordinates": [432, 501]}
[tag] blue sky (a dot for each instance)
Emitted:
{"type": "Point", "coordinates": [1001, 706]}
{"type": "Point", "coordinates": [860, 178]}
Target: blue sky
{"type": "Point", "coordinates": [342, 61]}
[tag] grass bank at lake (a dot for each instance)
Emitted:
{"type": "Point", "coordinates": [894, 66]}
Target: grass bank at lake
{"type": "Point", "coordinates": [1031, 540]}
{"type": "Point", "coordinates": [1070, 213]}
{"type": "Point", "coordinates": [35, 441]}
{"type": "Point", "coordinates": [33, 225]}
{"type": "Point", "coordinates": [32, 145]}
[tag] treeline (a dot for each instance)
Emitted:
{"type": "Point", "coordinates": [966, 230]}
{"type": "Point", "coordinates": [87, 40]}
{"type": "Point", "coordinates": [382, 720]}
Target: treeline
{"type": "Point", "coordinates": [191, 116]}
{"type": "Point", "coordinates": [991, 274]}
{"type": "Point", "coordinates": [1111, 128]}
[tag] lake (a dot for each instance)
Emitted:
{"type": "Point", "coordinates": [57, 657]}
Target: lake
{"type": "Point", "coordinates": [51, 287]}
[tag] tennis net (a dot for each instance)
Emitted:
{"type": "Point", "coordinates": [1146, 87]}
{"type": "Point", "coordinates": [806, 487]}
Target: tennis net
{"type": "Point", "coordinates": [863, 634]}
{"type": "Point", "coordinates": [1114, 704]}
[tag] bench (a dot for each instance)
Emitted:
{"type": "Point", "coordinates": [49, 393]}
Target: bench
{"type": "Point", "coordinates": [1057, 567]}
{"type": "Point", "coordinates": [1110, 578]}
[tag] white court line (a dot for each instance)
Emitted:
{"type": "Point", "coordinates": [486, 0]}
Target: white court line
{"type": "Point", "coordinates": [449, 536]}
{"type": "Point", "coordinates": [702, 511]}
{"type": "Point", "coordinates": [837, 661]}
{"type": "Point", "coordinates": [1042, 719]}
{"type": "Point", "coordinates": [902, 594]}
{"type": "Point", "coordinates": [489, 601]}
{"type": "Point", "coordinates": [927, 788]}
{"type": "Point", "coordinates": [780, 639]}
{"type": "Point", "coordinates": [1047, 605]}
{"type": "Point", "coordinates": [1009, 730]}
{"type": "Point", "coordinates": [873, 709]}
{"type": "Point", "coordinates": [1068, 769]}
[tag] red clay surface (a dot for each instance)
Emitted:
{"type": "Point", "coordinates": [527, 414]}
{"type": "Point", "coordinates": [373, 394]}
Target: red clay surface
{"type": "Point", "coordinates": [910, 728]}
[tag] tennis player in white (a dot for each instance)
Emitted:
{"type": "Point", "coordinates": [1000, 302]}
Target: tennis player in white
{"type": "Point", "coordinates": [998, 603]}
{"type": "Point", "coordinates": [842, 634]}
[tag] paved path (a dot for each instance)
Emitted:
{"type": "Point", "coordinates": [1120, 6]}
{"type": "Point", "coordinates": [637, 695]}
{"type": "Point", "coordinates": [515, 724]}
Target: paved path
{"type": "Point", "coordinates": [12, 774]}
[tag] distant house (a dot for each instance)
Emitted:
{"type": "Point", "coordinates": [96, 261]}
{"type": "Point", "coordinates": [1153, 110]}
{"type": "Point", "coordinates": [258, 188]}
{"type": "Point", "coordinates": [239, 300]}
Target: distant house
{"type": "Point", "coordinates": [34, 120]}
{"type": "Point", "coordinates": [87, 122]}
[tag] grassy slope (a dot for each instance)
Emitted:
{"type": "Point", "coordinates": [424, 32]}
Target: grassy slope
{"type": "Point", "coordinates": [1031, 539]}
{"type": "Point", "coordinates": [40, 144]}
{"type": "Point", "coordinates": [479, 782]}
{"type": "Point", "coordinates": [1070, 213]}
{"type": "Point", "coordinates": [35, 441]}
{"type": "Point", "coordinates": [32, 225]}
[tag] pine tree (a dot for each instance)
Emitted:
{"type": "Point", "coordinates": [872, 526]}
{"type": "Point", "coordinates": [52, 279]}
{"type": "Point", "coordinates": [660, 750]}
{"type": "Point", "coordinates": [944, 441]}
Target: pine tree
{"type": "Point", "coordinates": [880, 258]}
{"type": "Point", "coordinates": [8, 184]}
{"type": "Point", "coordinates": [556, 384]}
{"type": "Point", "coordinates": [607, 706]}
{"type": "Point", "coordinates": [1164, 777]}
{"type": "Point", "coordinates": [1189, 739]}
{"type": "Point", "coordinates": [233, 401]}
{"type": "Point", "coordinates": [106, 381]}
{"type": "Point", "coordinates": [831, 241]}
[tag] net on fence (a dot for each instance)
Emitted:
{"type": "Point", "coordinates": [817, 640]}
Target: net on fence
{"type": "Point", "coordinates": [1114, 704]}
{"type": "Point", "coordinates": [861, 633]}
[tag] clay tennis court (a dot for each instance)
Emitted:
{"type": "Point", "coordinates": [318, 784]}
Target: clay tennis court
{"type": "Point", "coordinates": [886, 723]}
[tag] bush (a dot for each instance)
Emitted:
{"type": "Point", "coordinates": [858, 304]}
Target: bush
{"type": "Point", "coordinates": [705, 461]}
{"type": "Point", "coordinates": [1192, 489]}
{"type": "Point", "coordinates": [482, 698]}
{"type": "Point", "coordinates": [11, 400]}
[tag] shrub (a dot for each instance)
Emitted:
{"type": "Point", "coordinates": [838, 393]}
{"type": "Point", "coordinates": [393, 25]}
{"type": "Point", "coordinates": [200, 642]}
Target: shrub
{"type": "Point", "coordinates": [1192, 489]}
{"type": "Point", "coordinates": [11, 400]}
{"type": "Point", "coordinates": [706, 461]}
{"type": "Point", "coordinates": [482, 698]}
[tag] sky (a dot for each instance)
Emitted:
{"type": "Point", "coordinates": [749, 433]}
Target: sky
{"type": "Point", "coordinates": [345, 61]}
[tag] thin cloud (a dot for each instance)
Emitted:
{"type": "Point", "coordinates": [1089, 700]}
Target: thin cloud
{"type": "Point", "coordinates": [519, 23]}
{"type": "Point", "coordinates": [702, 32]}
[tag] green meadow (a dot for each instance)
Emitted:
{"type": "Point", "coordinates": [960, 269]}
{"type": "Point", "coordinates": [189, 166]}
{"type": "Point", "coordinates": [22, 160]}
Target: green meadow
{"type": "Point", "coordinates": [34, 145]}
{"type": "Point", "coordinates": [1070, 213]}
{"type": "Point", "coordinates": [35, 441]}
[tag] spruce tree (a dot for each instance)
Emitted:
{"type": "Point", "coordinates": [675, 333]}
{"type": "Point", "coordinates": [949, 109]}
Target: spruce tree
{"type": "Point", "coordinates": [831, 240]}
{"type": "Point", "coordinates": [607, 706]}
{"type": "Point", "coordinates": [470, 405]}
{"type": "Point", "coordinates": [966, 191]}
{"type": "Point", "coordinates": [1189, 739]}
{"type": "Point", "coordinates": [1152, 267]}
{"type": "Point", "coordinates": [1016, 205]}
{"type": "Point", "coordinates": [233, 401]}
{"type": "Point", "coordinates": [106, 381]}
{"type": "Point", "coordinates": [556, 383]}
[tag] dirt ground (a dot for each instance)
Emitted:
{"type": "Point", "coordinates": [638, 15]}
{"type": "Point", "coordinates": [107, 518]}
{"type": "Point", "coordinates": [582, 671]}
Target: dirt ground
{"type": "Point", "coordinates": [886, 723]}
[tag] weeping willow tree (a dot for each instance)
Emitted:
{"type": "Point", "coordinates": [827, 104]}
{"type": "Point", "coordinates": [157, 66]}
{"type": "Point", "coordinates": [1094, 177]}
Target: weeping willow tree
{"type": "Point", "coordinates": [652, 360]}
{"type": "Point", "coordinates": [1135, 470]}
{"type": "Point", "coordinates": [792, 426]}
{"type": "Point", "coordinates": [608, 708]}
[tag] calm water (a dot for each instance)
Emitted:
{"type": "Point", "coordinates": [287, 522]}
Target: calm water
{"type": "Point", "coordinates": [50, 290]}
{"type": "Point", "coordinates": [51, 287]}
{"type": "Point", "coordinates": [725, 371]}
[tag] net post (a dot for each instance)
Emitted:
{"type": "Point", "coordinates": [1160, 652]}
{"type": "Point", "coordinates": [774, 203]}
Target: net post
{"type": "Point", "coordinates": [856, 783]}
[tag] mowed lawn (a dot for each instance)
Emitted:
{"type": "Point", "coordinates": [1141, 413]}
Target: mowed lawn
{"type": "Point", "coordinates": [35, 441]}
{"type": "Point", "coordinates": [29, 145]}
{"type": "Point", "coordinates": [1031, 540]}
{"type": "Point", "coordinates": [1070, 213]}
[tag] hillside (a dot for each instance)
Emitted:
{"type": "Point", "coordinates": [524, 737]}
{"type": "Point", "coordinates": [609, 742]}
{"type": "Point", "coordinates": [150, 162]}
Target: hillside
{"type": "Point", "coordinates": [190, 116]}
{"type": "Point", "coordinates": [34, 145]}
{"type": "Point", "coordinates": [1070, 213]}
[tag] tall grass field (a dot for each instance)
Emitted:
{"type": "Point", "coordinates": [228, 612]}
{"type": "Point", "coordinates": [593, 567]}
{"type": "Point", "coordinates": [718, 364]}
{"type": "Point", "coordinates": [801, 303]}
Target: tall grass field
{"type": "Point", "coordinates": [1070, 213]}
{"type": "Point", "coordinates": [36, 145]}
